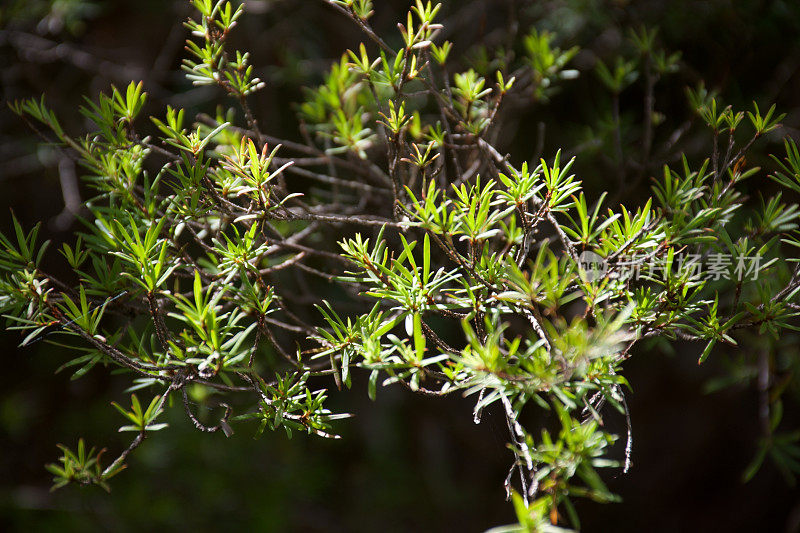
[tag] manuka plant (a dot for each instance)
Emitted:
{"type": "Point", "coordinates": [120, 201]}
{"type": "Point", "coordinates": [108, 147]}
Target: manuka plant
{"type": "Point", "coordinates": [475, 275]}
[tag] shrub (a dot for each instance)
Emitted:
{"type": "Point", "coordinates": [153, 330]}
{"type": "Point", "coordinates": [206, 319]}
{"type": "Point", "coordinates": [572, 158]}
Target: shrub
{"type": "Point", "coordinates": [196, 225]}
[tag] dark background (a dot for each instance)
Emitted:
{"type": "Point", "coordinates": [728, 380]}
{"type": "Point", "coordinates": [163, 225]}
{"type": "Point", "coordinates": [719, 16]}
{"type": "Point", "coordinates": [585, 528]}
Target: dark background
{"type": "Point", "coordinates": [406, 463]}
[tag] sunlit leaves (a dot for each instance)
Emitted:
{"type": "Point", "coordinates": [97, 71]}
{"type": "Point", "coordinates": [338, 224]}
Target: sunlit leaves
{"type": "Point", "coordinates": [142, 419]}
{"type": "Point", "coordinates": [24, 252]}
{"type": "Point", "coordinates": [361, 8]}
{"type": "Point", "coordinates": [290, 404]}
{"type": "Point", "coordinates": [80, 466]}
{"type": "Point", "coordinates": [210, 63]}
{"type": "Point", "coordinates": [252, 167]}
{"type": "Point", "coordinates": [560, 184]}
{"type": "Point", "coordinates": [146, 256]}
